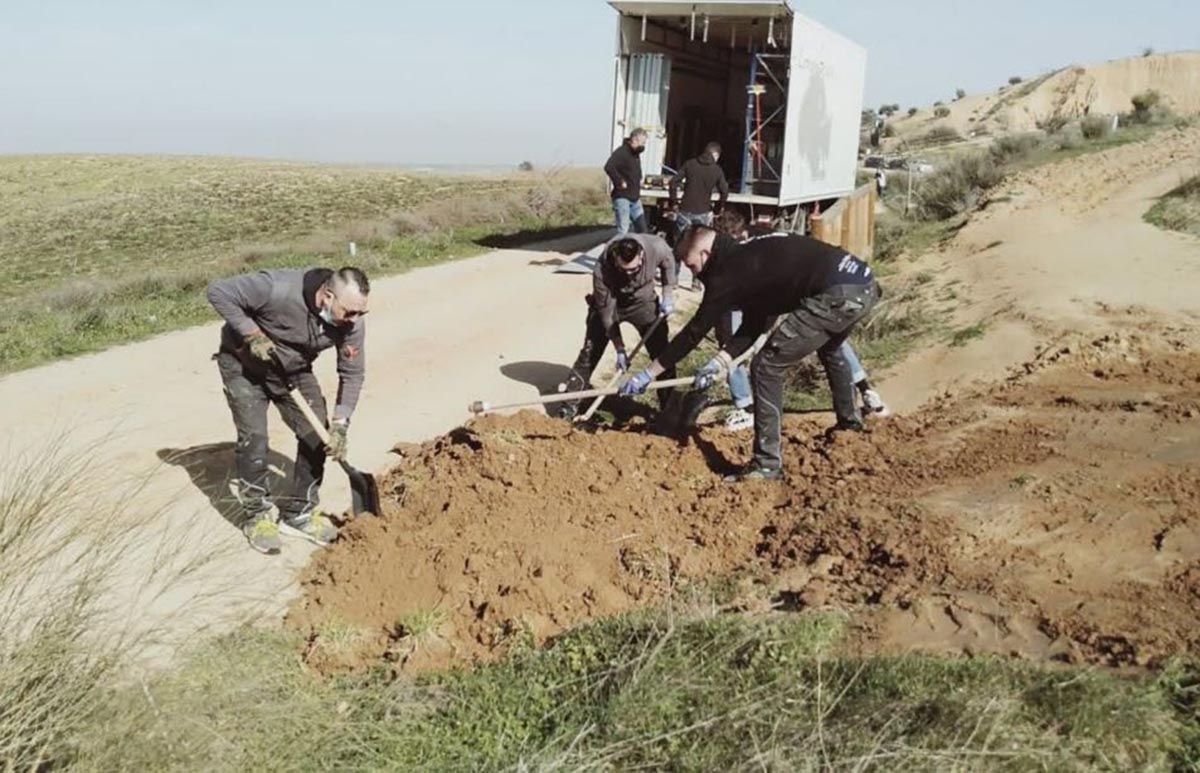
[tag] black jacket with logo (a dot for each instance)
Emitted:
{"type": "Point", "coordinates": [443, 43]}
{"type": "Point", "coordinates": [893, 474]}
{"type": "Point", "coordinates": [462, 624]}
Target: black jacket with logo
{"type": "Point", "coordinates": [764, 277]}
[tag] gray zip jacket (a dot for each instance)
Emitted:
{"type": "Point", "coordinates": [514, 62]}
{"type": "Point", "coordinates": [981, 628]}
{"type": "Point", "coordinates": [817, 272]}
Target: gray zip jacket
{"type": "Point", "coordinates": [614, 294]}
{"type": "Point", "coordinates": [281, 304]}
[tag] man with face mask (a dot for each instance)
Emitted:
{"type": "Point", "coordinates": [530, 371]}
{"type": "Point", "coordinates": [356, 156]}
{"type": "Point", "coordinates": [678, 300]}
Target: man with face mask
{"type": "Point", "coordinates": [284, 319]}
{"type": "Point", "coordinates": [623, 291]}
{"type": "Point", "coordinates": [624, 170]}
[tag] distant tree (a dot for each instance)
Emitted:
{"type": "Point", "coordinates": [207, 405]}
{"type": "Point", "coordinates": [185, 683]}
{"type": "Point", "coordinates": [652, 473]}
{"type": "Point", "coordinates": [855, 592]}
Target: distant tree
{"type": "Point", "coordinates": [912, 111]}
{"type": "Point", "coordinates": [1014, 80]}
{"type": "Point", "coordinates": [1148, 51]}
{"type": "Point", "coordinates": [942, 112]}
{"type": "Point", "coordinates": [939, 103]}
{"type": "Point", "coordinates": [525, 166]}
{"type": "Point", "coordinates": [960, 93]}
{"type": "Point", "coordinates": [895, 106]}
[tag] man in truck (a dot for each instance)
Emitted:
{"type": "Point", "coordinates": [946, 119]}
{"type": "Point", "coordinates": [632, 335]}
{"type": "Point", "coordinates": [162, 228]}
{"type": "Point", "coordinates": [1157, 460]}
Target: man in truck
{"type": "Point", "coordinates": [282, 320]}
{"type": "Point", "coordinates": [623, 290]}
{"type": "Point", "coordinates": [820, 291]}
{"type": "Point", "coordinates": [700, 176]}
{"type": "Point", "coordinates": [624, 170]}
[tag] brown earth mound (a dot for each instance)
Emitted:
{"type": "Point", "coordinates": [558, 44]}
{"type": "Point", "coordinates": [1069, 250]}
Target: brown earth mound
{"type": "Point", "coordinates": [1053, 516]}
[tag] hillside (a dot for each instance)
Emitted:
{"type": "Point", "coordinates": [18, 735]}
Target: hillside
{"type": "Point", "coordinates": [1069, 93]}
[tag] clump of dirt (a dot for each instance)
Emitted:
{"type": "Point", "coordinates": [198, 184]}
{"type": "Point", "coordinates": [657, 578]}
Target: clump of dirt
{"type": "Point", "coordinates": [1051, 516]}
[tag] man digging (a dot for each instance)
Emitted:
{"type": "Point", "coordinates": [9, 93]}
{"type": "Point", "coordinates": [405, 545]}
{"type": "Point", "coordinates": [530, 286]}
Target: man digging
{"type": "Point", "coordinates": [623, 291]}
{"type": "Point", "coordinates": [285, 319]}
{"type": "Point", "coordinates": [821, 291]}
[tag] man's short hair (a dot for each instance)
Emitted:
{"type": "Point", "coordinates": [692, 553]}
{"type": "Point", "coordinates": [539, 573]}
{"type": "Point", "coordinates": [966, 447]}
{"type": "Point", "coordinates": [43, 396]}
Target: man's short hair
{"type": "Point", "coordinates": [730, 222]}
{"type": "Point", "coordinates": [349, 275]}
{"type": "Point", "coordinates": [712, 148]}
{"type": "Point", "coordinates": [684, 245]}
{"type": "Point", "coordinates": [624, 251]}
{"type": "Point", "coordinates": [638, 132]}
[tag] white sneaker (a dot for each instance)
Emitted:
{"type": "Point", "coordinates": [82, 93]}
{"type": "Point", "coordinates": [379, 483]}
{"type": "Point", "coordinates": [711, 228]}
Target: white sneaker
{"type": "Point", "coordinates": [874, 405]}
{"type": "Point", "coordinates": [739, 419]}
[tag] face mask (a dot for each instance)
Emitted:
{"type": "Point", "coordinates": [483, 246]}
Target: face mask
{"type": "Point", "coordinates": [639, 151]}
{"type": "Point", "coordinates": [326, 316]}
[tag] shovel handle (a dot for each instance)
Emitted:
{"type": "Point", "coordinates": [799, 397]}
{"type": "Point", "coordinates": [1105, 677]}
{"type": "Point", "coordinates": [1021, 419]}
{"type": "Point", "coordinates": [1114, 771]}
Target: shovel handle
{"type": "Point", "coordinates": [615, 379]}
{"type": "Point", "coordinates": [481, 406]}
{"type": "Point", "coordinates": [309, 415]}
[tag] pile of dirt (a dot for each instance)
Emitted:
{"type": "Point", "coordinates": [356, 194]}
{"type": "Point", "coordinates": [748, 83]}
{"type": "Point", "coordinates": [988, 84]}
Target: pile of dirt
{"type": "Point", "coordinates": [1051, 516]}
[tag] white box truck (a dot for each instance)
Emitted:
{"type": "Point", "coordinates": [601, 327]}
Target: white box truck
{"type": "Point", "coordinates": [781, 93]}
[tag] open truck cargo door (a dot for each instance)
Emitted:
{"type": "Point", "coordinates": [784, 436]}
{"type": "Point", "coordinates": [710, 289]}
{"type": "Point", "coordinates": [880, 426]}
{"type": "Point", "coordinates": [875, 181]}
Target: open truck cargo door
{"type": "Point", "coordinates": [825, 97]}
{"type": "Point", "coordinates": [728, 8]}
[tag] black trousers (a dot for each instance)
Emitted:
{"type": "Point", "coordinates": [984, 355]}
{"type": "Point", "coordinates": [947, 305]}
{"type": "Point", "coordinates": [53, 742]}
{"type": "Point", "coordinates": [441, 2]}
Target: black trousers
{"type": "Point", "coordinates": [249, 391]}
{"type": "Point", "coordinates": [820, 324]}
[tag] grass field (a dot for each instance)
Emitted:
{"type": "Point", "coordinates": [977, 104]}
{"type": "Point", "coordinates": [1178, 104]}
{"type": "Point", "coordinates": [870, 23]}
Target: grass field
{"type": "Point", "coordinates": [101, 250]}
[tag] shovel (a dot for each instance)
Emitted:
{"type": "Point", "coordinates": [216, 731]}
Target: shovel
{"type": "Point", "coordinates": [481, 406]}
{"type": "Point", "coordinates": [364, 491]}
{"type": "Point", "coordinates": [617, 378]}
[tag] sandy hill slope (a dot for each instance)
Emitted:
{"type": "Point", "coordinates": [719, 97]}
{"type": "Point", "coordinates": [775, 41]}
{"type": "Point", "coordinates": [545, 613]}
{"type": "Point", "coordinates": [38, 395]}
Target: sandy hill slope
{"type": "Point", "coordinates": [1072, 92]}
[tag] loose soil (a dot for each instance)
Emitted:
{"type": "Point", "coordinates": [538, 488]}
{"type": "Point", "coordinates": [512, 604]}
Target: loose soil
{"type": "Point", "coordinates": [1051, 516]}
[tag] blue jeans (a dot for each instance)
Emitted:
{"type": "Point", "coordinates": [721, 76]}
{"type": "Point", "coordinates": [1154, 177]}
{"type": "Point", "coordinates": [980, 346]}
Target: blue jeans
{"type": "Point", "coordinates": [739, 377]}
{"type": "Point", "coordinates": [628, 214]}
{"type": "Point", "coordinates": [685, 220]}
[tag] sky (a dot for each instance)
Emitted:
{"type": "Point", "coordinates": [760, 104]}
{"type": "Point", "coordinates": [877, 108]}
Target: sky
{"type": "Point", "coordinates": [472, 82]}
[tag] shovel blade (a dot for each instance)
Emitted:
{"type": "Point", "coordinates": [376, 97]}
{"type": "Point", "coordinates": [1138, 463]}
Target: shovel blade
{"type": "Point", "coordinates": [364, 491]}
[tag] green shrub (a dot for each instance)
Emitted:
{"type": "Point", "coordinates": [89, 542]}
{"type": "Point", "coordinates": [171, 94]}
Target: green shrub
{"type": "Point", "coordinates": [960, 93]}
{"type": "Point", "coordinates": [957, 186]}
{"type": "Point", "coordinates": [1096, 127]}
{"type": "Point", "coordinates": [941, 112]}
{"type": "Point", "coordinates": [912, 111]}
{"type": "Point", "coordinates": [1013, 147]}
{"type": "Point", "coordinates": [1054, 123]}
{"type": "Point", "coordinates": [1014, 80]}
{"type": "Point", "coordinates": [941, 135]}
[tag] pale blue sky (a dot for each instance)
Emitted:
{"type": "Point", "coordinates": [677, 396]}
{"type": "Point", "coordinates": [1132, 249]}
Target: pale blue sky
{"type": "Point", "coordinates": [467, 82]}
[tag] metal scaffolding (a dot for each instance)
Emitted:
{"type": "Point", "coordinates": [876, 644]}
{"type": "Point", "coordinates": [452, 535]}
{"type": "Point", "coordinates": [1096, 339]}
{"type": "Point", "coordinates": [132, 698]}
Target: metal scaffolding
{"type": "Point", "coordinates": [756, 164]}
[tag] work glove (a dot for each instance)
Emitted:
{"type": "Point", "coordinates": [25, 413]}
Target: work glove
{"type": "Point", "coordinates": [636, 385]}
{"type": "Point", "coordinates": [666, 306]}
{"type": "Point", "coordinates": [336, 449]}
{"type": "Point", "coordinates": [622, 361]}
{"type": "Point", "coordinates": [261, 348]}
{"type": "Point", "coordinates": [713, 371]}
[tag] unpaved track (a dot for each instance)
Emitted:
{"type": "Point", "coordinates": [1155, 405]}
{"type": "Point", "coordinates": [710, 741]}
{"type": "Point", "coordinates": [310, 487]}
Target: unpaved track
{"type": "Point", "coordinates": [438, 339]}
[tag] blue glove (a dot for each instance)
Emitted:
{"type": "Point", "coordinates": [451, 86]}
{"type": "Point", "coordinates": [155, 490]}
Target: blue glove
{"type": "Point", "coordinates": [666, 307]}
{"type": "Point", "coordinates": [636, 385]}
{"type": "Point", "coordinates": [709, 375]}
{"type": "Point", "coordinates": [622, 361]}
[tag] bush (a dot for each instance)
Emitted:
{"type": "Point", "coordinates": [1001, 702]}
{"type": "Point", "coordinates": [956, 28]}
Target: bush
{"type": "Point", "coordinates": [1148, 51]}
{"type": "Point", "coordinates": [956, 187]}
{"type": "Point", "coordinates": [1054, 123]}
{"type": "Point", "coordinates": [1014, 80]}
{"type": "Point", "coordinates": [941, 135]}
{"type": "Point", "coordinates": [525, 166]}
{"type": "Point", "coordinates": [889, 131]}
{"type": "Point", "coordinates": [1096, 127]}
{"type": "Point", "coordinates": [912, 111]}
{"type": "Point", "coordinates": [1014, 147]}
{"type": "Point", "coordinates": [941, 112]}
{"type": "Point", "coordinates": [960, 94]}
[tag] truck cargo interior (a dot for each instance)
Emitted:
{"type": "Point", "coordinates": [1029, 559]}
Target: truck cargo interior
{"type": "Point", "coordinates": [780, 92]}
{"type": "Point", "coordinates": [731, 88]}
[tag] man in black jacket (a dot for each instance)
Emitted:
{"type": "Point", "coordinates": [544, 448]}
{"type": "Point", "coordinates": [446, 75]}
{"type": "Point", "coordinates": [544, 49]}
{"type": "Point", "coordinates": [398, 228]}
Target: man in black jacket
{"type": "Point", "coordinates": [624, 170]}
{"type": "Point", "coordinates": [821, 291]}
{"type": "Point", "coordinates": [700, 177]}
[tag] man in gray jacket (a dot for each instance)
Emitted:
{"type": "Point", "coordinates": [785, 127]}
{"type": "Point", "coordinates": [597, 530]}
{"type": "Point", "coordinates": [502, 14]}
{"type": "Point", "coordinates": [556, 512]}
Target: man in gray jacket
{"type": "Point", "coordinates": [623, 290]}
{"type": "Point", "coordinates": [283, 319]}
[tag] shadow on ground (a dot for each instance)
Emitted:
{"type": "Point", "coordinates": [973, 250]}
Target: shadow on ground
{"type": "Point", "coordinates": [210, 466]}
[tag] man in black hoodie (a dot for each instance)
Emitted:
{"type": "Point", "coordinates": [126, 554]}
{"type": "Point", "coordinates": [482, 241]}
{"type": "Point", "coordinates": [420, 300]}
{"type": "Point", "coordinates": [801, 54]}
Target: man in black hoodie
{"type": "Point", "coordinates": [624, 170]}
{"type": "Point", "coordinates": [820, 290]}
{"type": "Point", "coordinates": [700, 177]}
